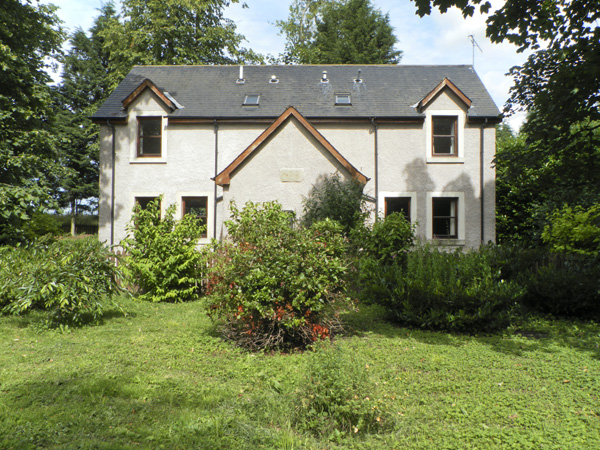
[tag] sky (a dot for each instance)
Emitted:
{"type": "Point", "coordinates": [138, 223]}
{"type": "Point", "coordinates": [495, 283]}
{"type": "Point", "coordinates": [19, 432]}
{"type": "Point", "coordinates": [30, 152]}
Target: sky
{"type": "Point", "coordinates": [435, 39]}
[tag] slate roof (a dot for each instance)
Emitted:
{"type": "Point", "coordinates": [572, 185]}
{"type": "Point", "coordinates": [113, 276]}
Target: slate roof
{"type": "Point", "coordinates": [385, 91]}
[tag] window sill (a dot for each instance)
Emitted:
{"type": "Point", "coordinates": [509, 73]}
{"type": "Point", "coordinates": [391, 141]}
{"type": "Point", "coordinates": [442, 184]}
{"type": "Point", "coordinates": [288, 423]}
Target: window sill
{"type": "Point", "coordinates": [448, 242]}
{"type": "Point", "coordinates": [445, 160]}
{"type": "Point", "coordinates": [148, 160]}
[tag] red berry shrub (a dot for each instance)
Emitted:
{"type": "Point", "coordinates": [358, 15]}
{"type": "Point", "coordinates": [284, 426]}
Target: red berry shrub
{"type": "Point", "coordinates": [274, 284]}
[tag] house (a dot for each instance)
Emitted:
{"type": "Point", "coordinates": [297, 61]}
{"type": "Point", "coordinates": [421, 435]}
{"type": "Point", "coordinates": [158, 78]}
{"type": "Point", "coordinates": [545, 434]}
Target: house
{"type": "Point", "coordinates": [421, 139]}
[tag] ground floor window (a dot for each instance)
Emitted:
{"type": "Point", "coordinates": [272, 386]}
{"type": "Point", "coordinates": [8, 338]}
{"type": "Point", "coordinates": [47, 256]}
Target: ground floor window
{"type": "Point", "coordinates": [445, 220]}
{"type": "Point", "coordinates": [197, 206]}
{"type": "Point", "coordinates": [398, 204]}
{"type": "Point", "coordinates": [145, 201]}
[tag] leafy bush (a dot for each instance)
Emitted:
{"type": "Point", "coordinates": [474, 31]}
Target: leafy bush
{"type": "Point", "coordinates": [161, 259]}
{"type": "Point", "coordinates": [337, 395]}
{"type": "Point", "coordinates": [72, 279]}
{"type": "Point", "coordinates": [452, 291]}
{"type": "Point", "coordinates": [566, 285]}
{"type": "Point", "coordinates": [379, 251]}
{"type": "Point", "coordinates": [41, 224]}
{"type": "Point", "coordinates": [276, 285]}
{"type": "Point", "coordinates": [574, 230]}
{"type": "Point", "coordinates": [336, 199]}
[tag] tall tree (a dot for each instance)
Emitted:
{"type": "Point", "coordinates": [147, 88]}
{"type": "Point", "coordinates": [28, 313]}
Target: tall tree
{"type": "Point", "coordinates": [85, 84]}
{"type": "Point", "coordinates": [173, 32]}
{"type": "Point", "coordinates": [30, 36]}
{"type": "Point", "coordinates": [338, 32]}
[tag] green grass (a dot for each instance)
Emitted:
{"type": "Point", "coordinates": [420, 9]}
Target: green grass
{"type": "Point", "coordinates": [160, 377]}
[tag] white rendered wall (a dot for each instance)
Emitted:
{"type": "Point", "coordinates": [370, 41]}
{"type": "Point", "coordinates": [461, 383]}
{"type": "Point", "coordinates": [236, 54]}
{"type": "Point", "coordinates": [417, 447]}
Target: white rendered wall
{"type": "Point", "coordinates": [405, 166]}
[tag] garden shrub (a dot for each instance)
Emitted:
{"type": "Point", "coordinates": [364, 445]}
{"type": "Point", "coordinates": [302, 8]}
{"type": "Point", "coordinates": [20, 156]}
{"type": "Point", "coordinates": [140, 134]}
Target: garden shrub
{"type": "Point", "coordinates": [337, 395]}
{"type": "Point", "coordinates": [276, 285]}
{"type": "Point", "coordinates": [565, 285]}
{"type": "Point", "coordinates": [561, 284]}
{"type": "Point", "coordinates": [379, 251]}
{"type": "Point", "coordinates": [453, 291]}
{"type": "Point", "coordinates": [335, 198]}
{"type": "Point", "coordinates": [574, 230]}
{"type": "Point", "coordinates": [72, 279]}
{"type": "Point", "coordinates": [162, 261]}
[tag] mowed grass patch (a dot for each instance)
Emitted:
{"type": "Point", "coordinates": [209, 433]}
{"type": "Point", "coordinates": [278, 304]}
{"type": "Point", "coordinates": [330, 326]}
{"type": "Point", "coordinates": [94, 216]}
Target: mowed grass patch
{"type": "Point", "coordinates": [161, 377]}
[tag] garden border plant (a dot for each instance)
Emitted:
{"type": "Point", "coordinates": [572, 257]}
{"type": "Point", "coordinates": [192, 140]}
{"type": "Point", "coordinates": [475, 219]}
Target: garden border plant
{"type": "Point", "coordinates": [162, 261]}
{"type": "Point", "coordinates": [274, 284]}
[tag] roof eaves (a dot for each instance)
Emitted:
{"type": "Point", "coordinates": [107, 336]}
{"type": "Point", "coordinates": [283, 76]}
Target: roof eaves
{"type": "Point", "coordinates": [224, 177]}
{"type": "Point", "coordinates": [147, 83]}
{"type": "Point", "coordinates": [445, 83]}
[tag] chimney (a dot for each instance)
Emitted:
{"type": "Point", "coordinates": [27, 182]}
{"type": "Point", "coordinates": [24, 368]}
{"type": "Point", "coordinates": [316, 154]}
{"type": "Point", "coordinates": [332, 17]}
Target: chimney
{"type": "Point", "coordinates": [324, 77]}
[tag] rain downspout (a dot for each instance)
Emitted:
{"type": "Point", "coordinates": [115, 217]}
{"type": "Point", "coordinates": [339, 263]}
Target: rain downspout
{"type": "Point", "coordinates": [216, 173]}
{"type": "Point", "coordinates": [376, 151]}
{"type": "Point", "coordinates": [112, 187]}
{"type": "Point", "coordinates": [481, 185]}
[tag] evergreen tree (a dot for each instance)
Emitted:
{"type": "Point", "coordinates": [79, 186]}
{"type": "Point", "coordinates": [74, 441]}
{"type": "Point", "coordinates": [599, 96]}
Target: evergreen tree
{"type": "Point", "coordinates": [338, 32]}
{"type": "Point", "coordinates": [30, 36]}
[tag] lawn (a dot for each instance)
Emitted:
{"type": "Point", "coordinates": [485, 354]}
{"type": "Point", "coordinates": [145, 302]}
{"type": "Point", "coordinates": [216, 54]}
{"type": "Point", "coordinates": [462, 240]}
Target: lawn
{"type": "Point", "coordinates": [160, 377]}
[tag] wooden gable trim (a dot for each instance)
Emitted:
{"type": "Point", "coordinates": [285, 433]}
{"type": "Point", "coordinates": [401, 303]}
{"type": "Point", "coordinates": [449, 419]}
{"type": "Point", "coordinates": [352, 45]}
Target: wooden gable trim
{"type": "Point", "coordinates": [446, 83]}
{"type": "Point", "coordinates": [224, 177]}
{"type": "Point", "coordinates": [150, 85]}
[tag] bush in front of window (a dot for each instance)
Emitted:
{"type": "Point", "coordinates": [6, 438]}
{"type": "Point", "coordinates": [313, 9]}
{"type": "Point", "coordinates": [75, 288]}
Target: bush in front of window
{"type": "Point", "coordinates": [162, 262]}
{"type": "Point", "coordinates": [275, 285]}
{"type": "Point", "coordinates": [380, 251]}
{"type": "Point", "coordinates": [335, 198]}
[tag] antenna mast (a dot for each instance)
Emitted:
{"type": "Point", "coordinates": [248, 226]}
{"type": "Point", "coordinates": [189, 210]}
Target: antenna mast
{"type": "Point", "coordinates": [474, 44]}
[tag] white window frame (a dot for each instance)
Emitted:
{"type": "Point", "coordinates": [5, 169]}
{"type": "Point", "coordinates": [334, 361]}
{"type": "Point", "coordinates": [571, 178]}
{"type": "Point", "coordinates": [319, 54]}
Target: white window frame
{"type": "Point", "coordinates": [386, 194]}
{"type": "Point", "coordinates": [460, 214]}
{"type": "Point", "coordinates": [461, 117]}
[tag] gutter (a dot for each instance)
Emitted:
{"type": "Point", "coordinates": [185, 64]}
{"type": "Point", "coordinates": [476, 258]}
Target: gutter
{"type": "Point", "coordinates": [481, 173]}
{"type": "Point", "coordinates": [376, 176]}
{"type": "Point", "coordinates": [215, 184]}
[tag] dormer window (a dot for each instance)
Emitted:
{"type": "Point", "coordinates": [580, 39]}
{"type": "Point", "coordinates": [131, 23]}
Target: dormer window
{"type": "Point", "coordinates": [251, 100]}
{"type": "Point", "coordinates": [343, 100]}
{"type": "Point", "coordinates": [149, 136]}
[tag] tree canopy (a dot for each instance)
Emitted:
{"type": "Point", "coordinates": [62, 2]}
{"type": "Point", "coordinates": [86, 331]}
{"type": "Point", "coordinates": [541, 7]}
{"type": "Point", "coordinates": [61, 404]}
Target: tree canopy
{"type": "Point", "coordinates": [338, 32]}
{"type": "Point", "coordinates": [169, 32]}
{"type": "Point", "coordinates": [30, 40]}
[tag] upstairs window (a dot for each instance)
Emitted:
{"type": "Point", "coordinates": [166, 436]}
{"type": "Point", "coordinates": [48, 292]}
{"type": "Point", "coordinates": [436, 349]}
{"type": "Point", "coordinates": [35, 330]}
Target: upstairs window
{"type": "Point", "coordinates": [398, 204]}
{"type": "Point", "coordinates": [444, 135]}
{"type": "Point", "coordinates": [149, 136]}
{"type": "Point", "coordinates": [198, 207]}
{"type": "Point", "coordinates": [343, 100]}
{"type": "Point", "coordinates": [445, 220]}
{"type": "Point", "coordinates": [252, 100]}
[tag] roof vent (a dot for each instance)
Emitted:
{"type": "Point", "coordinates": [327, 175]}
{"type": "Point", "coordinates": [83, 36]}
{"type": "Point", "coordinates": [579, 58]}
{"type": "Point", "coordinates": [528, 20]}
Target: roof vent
{"type": "Point", "coordinates": [358, 80]}
{"type": "Point", "coordinates": [241, 79]}
{"type": "Point", "coordinates": [273, 79]}
{"type": "Point", "coordinates": [324, 77]}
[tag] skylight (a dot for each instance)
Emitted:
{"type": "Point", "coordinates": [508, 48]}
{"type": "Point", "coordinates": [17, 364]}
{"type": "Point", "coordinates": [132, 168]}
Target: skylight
{"type": "Point", "coordinates": [251, 100]}
{"type": "Point", "coordinates": [343, 99]}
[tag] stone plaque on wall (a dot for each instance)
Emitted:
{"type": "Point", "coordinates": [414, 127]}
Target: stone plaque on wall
{"type": "Point", "coordinates": [291, 175]}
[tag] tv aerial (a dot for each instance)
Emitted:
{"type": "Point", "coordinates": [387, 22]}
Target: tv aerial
{"type": "Point", "coordinates": [474, 44]}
